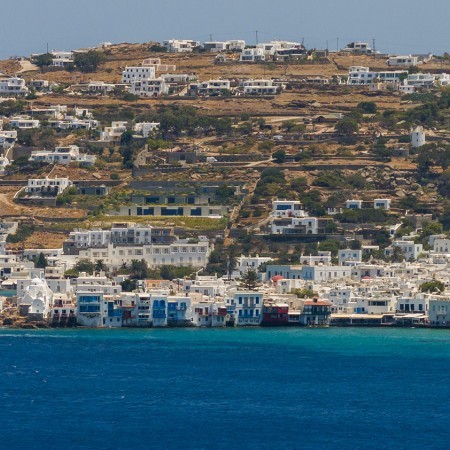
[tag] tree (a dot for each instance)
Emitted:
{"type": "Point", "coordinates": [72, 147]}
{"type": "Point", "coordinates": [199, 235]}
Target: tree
{"type": "Point", "coordinates": [347, 126]}
{"type": "Point", "coordinates": [397, 255]}
{"type": "Point", "coordinates": [249, 280]}
{"type": "Point", "coordinates": [279, 156]}
{"type": "Point", "coordinates": [100, 266]}
{"type": "Point", "coordinates": [231, 259]}
{"type": "Point", "coordinates": [89, 61]}
{"type": "Point", "coordinates": [41, 261]}
{"type": "Point", "coordinates": [85, 265]}
{"type": "Point", "coordinates": [44, 60]}
{"type": "Point", "coordinates": [138, 270]}
{"type": "Point", "coordinates": [432, 286]}
{"type": "Point", "coordinates": [126, 138]}
{"type": "Point", "coordinates": [367, 107]}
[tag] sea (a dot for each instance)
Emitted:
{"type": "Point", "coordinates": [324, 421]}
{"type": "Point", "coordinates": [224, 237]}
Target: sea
{"type": "Point", "coordinates": [240, 388]}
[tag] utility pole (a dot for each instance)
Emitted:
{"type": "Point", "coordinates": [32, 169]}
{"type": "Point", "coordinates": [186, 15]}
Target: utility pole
{"type": "Point", "coordinates": [373, 47]}
{"type": "Point", "coordinates": [337, 44]}
{"type": "Point", "coordinates": [47, 47]}
{"type": "Point", "coordinates": [327, 45]}
{"type": "Point", "coordinates": [256, 34]}
{"type": "Point", "coordinates": [210, 38]}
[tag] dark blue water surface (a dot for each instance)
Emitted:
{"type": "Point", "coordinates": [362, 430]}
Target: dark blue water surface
{"type": "Point", "coordinates": [225, 388]}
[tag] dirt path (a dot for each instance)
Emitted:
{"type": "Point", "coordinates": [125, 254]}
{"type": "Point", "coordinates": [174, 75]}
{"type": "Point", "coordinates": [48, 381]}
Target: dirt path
{"type": "Point", "coordinates": [27, 66]}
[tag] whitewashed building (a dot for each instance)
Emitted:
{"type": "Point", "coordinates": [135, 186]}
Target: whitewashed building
{"type": "Point", "coordinates": [114, 132]}
{"type": "Point", "coordinates": [45, 186]}
{"type": "Point", "coordinates": [149, 87]}
{"type": "Point", "coordinates": [13, 86]}
{"type": "Point", "coordinates": [180, 45]}
{"type": "Point", "coordinates": [24, 122]}
{"type": "Point", "coordinates": [252, 55]}
{"type": "Point", "coordinates": [138, 73]}
{"type": "Point", "coordinates": [402, 61]}
{"type": "Point", "coordinates": [63, 155]}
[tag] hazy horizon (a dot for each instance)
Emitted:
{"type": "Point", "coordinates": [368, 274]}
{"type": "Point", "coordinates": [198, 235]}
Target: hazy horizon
{"type": "Point", "coordinates": [408, 26]}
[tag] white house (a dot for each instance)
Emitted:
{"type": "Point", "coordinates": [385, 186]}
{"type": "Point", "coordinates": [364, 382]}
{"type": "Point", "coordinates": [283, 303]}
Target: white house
{"type": "Point", "coordinates": [24, 122]}
{"type": "Point", "coordinates": [439, 311]}
{"type": "Point", "coordinates": [358, 47]}
{"type": "Point", "coordinates": [13, 86]}
{"type": "Point", "coordinates": [349, 255]}
{"type": "Point", "coordinates": [246, 307]}
{"type": "Point", "coordinates": [8, 138]}
{"type": "Point", "coordinates": [259, 87]}
{"type": "Point", "coordinates": [146, 128]}
{"type": "Point", "coordinates": [360, 75]}
{"type": "Point", "coordinates": [138, 73]}
{"type": "Point", "coordinates": [215, 46]}
{"type": "Point", "coordinates": [382, 203]}
{"type": "Point", "coordinates": [421, 79]}
{"type": "Point", "coordinates": [354, 204]}
{"type": "Point", "coordinates": [409, 249]}
{"type": "Point", "coordinates": [441, 245]}
{"type": "Point", "coordinates": [288, 208]}
{"type": "Point", "coordinates": [245, 263]}
{"type": "Point", "coordinates": [61, 58]}
{"type": "Point", "coordinates": [180, 45]}
{"type": "Point", "coordinates": [402, 61]}
{"type": "Point", "coordinates": [42, 186]}
{"type": "Point", "coordinates": [288, 225]}
{"type": "Point", "coordinates": [114, 132]}
{"type": "Point", "coordinates": [100, 87]}
{"type": "Point", "coordinates": [63, 155]}
{"type": "Point", "coordinates": [214, 87]}
{"type": "Point", "coordinates": [149, 88]}
{"type": "Point", "coordinates": [252, 55]}
{"type": "Point", "coordinates": [236, 45]}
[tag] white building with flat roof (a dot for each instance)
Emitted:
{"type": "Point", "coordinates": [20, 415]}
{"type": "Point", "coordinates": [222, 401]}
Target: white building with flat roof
{"type": "Point", "coordinates": [13, 86]}
{"type": "Point", "coordinates": [180, 45]}
{"type": "Point", "coordinates": [138, 73]}
{"type": "Point", "coordinates": [114, 132]}
{"type": "Point", "coordinates": [402, 61]}
{"type": "Point", "coordinates": [45, 186]}
{"type": "Point", "coordinates": [252, 55]}
{"type": "Point", "coordinates": [149, 88]}
{"type": "Point", "coordinates": [24, 122]}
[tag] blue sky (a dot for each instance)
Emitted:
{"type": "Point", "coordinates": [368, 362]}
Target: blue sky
{"type": "Point", "coordinates": [399, 26]}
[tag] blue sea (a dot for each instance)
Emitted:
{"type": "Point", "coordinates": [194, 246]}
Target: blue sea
{"type": "Point", "coordinates": [225, 388]}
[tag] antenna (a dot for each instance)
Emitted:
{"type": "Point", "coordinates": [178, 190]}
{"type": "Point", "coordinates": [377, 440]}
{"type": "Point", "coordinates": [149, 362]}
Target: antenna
{"type": "Point", "coordinates": [210, 38]}
{"type": "Point", "coordinates": [47, 47]}
{"type": "Point", "coordinates": [256, 34]}
{"type": "Point", "coordinates": [373, 45]}
{"type": "Point", "coordinates": [327, 45]}
{"type": "Point", "coordinates": [337, 44]}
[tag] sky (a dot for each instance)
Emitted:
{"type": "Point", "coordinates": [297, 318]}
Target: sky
{"type": "Point", "coordinates": [399, 26]}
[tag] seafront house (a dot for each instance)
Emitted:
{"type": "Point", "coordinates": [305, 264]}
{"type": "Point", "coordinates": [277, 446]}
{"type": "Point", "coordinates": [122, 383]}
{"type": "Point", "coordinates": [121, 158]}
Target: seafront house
{"type": "Point", "coordinates": [246, 308]}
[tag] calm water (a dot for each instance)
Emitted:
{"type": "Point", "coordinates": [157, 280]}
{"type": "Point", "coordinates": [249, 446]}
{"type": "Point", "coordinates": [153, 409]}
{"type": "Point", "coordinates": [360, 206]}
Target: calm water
{"type": "Point", "coordinates": [232, 388]}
